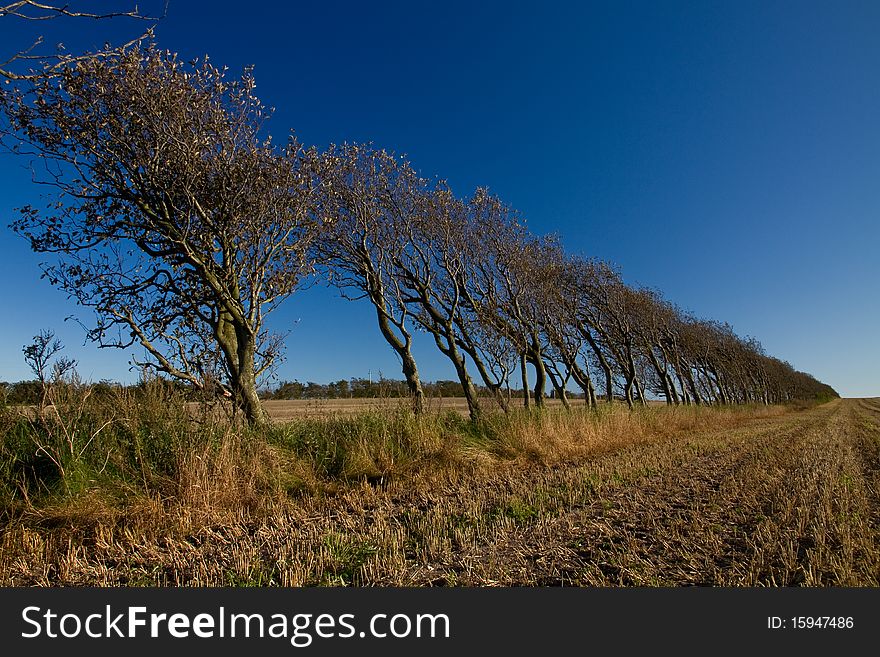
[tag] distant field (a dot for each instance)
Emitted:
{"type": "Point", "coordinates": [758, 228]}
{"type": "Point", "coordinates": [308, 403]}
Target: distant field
{"type": "Point", "coordinates": [292, 409]}
{"type": "Point", "coordinates": [281, 410]}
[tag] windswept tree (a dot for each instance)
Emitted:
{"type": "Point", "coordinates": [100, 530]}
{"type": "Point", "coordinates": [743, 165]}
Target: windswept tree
{"type": "Point", "coordinates": [510, 284]}
{"type": "Point", "coordinates": [431, 278]}
{"type": "Point", "coordinates": [567, 350]}
{"type": "Point", "coordinates": [654, 323]}
{"type": "Point", "coordinates": [368, 199]}
{"type": "Point", "coordinates": [173, 217]}
{"type": "Point", "coordinates": [588, 285]}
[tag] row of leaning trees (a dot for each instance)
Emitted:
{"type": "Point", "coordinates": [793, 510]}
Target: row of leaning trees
{"type": "Point", "coordinates": [182, 225]}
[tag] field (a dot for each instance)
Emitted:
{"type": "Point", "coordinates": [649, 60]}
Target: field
{"type": "Point", "coordinates": [754, 496]}
{"type": "Point", "coordinates": [281, 411]}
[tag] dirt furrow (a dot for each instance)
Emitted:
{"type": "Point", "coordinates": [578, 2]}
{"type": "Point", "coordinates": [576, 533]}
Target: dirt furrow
{"type": "Point", "coordinates": [785, 503]}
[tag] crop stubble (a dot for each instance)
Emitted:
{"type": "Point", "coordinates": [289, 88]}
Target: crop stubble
{"type": "Point", "coordinates": [770, 499]}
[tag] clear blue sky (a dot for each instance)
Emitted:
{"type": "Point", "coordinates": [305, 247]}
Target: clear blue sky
{"type": "Point", "coordinates": [727, 153]}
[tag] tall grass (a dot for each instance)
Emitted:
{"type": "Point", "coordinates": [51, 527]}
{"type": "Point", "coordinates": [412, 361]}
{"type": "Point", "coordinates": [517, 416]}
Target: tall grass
{"type": "Point", "coordinates": [119, 448]}
{"type": "Point", "coordinates": [123, 447]}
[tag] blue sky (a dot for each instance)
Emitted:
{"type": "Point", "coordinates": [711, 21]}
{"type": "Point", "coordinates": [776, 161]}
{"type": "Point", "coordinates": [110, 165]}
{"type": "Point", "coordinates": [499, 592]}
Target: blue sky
{"type": "Point", "coordinates": [726, 153]}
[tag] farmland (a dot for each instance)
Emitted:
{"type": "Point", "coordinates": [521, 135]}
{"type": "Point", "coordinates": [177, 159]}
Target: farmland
{"type": "Point", "coordinates": [280, 411]}
{"type": "Point", "coordinates": [743, 496]}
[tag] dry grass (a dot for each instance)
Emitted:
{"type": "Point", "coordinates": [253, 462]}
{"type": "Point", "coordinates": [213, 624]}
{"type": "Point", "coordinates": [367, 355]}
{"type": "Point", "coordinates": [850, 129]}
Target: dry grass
{"type": "Point", "coordinates": [661, 496]}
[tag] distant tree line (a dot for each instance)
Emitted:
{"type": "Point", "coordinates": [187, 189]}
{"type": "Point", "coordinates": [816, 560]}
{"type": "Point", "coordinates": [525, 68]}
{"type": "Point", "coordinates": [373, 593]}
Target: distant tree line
{"type": "Point", "coordinates": [358, 388]}
{"type": "Point", "coordinates": [182, 225]}
{"type": "Point", "coordinates": [31, 392]}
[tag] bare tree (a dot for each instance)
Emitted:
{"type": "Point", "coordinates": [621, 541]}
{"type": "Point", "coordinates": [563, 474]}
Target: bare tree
{"type": "Point", "coordinates": [39, 355]}
{"type": "Point", "coordinates": [509, 286]}
{"type": "Point", "coordinates": [584, 286]}
{"type": "Point", "coordinates": [369, 198]}
{"type": "Point", "coordinates": [654, 322]}
{"type": "Point", "coordinates": [567, 348]}
{"type": "Point", "coordinates": [173, 218]}
{"type": "Point", "coordinates": [430, 274]}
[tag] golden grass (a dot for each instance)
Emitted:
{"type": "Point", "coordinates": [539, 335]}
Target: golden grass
{"type": "Point", "coordinates": [659, 496]}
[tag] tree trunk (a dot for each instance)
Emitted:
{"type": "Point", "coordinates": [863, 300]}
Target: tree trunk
{"type": "Point", "coordinates": [403, 349]}
{"type": "Point", "coordinates": [722, 393]}
{"type": "Point", "coordinates": [671, 385]}
{"type": "Point", "coordinates": [540, 377]}
{"type": "Point", "coordinates": [451, 351]}
{"type": "Point", "coordinates": [523, 365]}
{"type": "Point", "coordinates": [583, 379]}
{"type": "Point", "coordinates": [641, 390]}
{"type": "Point", "coordinates": [559, 389]}
{"type": "Point", "coordinates": [470, 392]}
{"type": "Point", "coordinates": [238, 345]}
{"type": "Point", "coordinates": [632, 381]}
{"type": "Point", "coordinates": [692, 384]}
{"type": "Point", "coordinates": [413, 382]}
{"type": "Point", "coordinates": [661, 374]}
{"type": "Point", "coordinates": [628, 391]}
{"type": "Point", "coordinates": [246, 399]}
{"type": "Point", "coordinates": [604, 364]}
{"type": "Point", "coordinates": [683, 392]}
{"type": "Point", "coordinates": [44, 393]}
{"type": "Point", "coordinates": [493, 385]}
